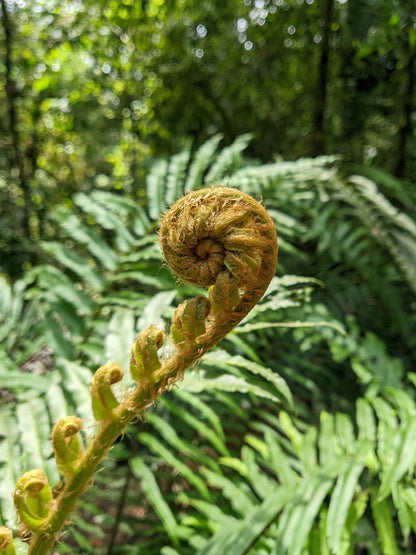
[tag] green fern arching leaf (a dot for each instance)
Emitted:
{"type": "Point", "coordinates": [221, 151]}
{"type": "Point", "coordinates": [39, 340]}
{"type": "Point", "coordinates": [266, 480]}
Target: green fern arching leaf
{"type": "Point", "coordinates": [33, 423]}
{"type": "Point", "coordinates": [169, 435]}
{"type": "Point", "coordinates": [82, 234]}
{"type": "Point", "coordinates": [76, 263]}
{"type": "Point", "coordinates": [103, 209]}
{"type": "Point", "coordinates": [9, 465]}
{"type": "Point", "coordinates": [19, 324]}
{"type": "Point", "coordinates": [400, 458]}
{"type": "Point", "coordinates": [237, 539]}
{"type": "Point", "coordinates": [344, 491]}
{"type": "Point", "coordinates": [151, 489]}
{"type": "Point", "coordinates": [381, 511]}
{"type": "Point", "coordinates": [56, 285]}
{"type": "Point", "coordinates": [127, 209]}
{"type": "Point", "coordinates": [200, 162]}
{"type": "Point", "coordinates": [175, 176]}
{"type": "Point", "coordinates": [162, 451]}
{"type": "Point", "coordinates": [218, 442]}
{"type": "Point", "coordinates": [228, 160]}
{"type": "Point", "coordinates": [156, 188]}
{"type": "Point", "coordinates": [204, 410]}
{"type": "Point", "coordinates": [392, 228]}
{"type": "Point", "coordinates": [299, 514]}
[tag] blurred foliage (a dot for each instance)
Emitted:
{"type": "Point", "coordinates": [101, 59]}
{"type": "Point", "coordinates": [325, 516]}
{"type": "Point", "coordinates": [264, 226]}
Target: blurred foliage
{"type": "Point", "coordinates": [90, 89]}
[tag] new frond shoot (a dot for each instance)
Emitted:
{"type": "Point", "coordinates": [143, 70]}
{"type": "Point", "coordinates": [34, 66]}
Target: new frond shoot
{"type": "Point", "coordinates": [217, 237]}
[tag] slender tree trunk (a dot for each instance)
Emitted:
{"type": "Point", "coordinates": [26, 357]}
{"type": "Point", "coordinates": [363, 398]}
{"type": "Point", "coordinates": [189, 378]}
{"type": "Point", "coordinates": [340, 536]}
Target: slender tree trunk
{"type": "Point", "coordinates": [10, 88]}
{"type": "Point", "coordinates": [318, 136]}
{"type": "Point", "coordinates": [406, 108]}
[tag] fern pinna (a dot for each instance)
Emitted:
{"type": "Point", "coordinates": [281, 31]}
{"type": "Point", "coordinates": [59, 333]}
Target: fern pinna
{"type": "Point", "coordinates": [218, 237]}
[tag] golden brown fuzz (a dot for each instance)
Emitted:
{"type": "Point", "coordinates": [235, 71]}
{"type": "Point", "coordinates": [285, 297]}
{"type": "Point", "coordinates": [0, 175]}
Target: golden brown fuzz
{"type": "Point", "coordinates": [218, 229]}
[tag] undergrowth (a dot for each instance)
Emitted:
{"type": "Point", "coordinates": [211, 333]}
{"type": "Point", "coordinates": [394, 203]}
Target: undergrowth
{"type": "Point", "coordinates": [296, 435]}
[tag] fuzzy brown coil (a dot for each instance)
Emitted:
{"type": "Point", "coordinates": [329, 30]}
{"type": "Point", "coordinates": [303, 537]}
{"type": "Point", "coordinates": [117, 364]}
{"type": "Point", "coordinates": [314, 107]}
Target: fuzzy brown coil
{"type": "Point", "coordinates": [217, 229]}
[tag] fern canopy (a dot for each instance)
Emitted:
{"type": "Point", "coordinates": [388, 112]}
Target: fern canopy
{"type": "Point", "coordinates": [296, 435]}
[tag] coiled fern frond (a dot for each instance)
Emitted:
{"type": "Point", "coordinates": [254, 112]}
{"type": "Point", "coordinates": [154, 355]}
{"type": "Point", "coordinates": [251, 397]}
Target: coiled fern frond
{"type": "Point", "coordinates": [220, 238]}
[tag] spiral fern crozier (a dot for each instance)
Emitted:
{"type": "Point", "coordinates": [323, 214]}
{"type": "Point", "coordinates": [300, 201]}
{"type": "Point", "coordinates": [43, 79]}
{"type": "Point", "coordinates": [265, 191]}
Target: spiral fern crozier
{"type": "Point", "coordinates": [222, 238]}
{"type": "Point", "coordinates": [217, 237]}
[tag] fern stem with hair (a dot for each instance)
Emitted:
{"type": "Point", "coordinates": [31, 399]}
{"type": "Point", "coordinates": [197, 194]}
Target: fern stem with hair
{"type": "Point", "coordinates": [220, 238]}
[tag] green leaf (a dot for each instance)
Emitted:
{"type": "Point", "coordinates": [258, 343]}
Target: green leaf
{"type": "Point", "coordinates": [60, 345]}
{"type": "Point", "coordinates": [75, 262]}
{"type": "Point", "coordinates": [226, 382]}
{"type": "Point", "coordinates": [55, 282]}
{"type": "Point", "coordinates": [403, 511]}
{"type": "Point", "coordinates": [279, 383]}
{"type": "Point", "coordinates": [155, 188]}
{"type": "Point", "coordinates": [400, 456]}
{"type": "Point", "coordinates": [34, 426]}
{"type": "Point", "coordinates": [76, 382]}
{"type": "Point", "coordinates": [152, 314]}
{"type": "Point", "coordinates": [384, 524]}
{"type": "Point", "coordinates": [200, 162]}
{"type": "Point", "coordinates": [245, 328]}
{"type": "Point", "coordinates": [280, 461]}
{"type": "Point", "coordinates": [119, 337]}
{"type": "Point", "coordinates": [217, 440]}
{"type": "Point", "coordinates": [235, 490]}
{"type": "Point", "coordinates": [159, 449]}
{"type": "Point", "coordinates": [343, 494]}
{"type": "Point", "coordinates": [128, 208]}
{"type": "Point", "coordinates": [215, 517]}
{"type": "Point", "coordinates": [175, 178]}
{"type": "Point", "coordinates": [329, 449]}
{"type": "Point", "coordinates": [345, 432]}
{"type": "Point", "coordinates": [19, 380]}
{"type": "Point", "coordinates": [317, 544]}
{"type": "Point", "coordinates": [259, 480]}
{"type": "Point", "coordinates": [170, 436]}
{"type": "Point", "coordinates": [238, 539]}
{"type": "Point", "coordinates": [10, 465]}
{"type": "Point", "coordinates": [155, 496]}
{"type": "Point", "coordinates": [205, 410]}
{"type": "Point", "coordinates": [300, 513]}
{"type": "Point", "coordinates": [355, 512]}
{"type": "Point", "coordinates": [228, 159]}
{"type": "Point", "coordinates": [85, 235]}
{"type": "Point", "coordinates": [105, 217]}
{"type": "Point", "coordinates": [366, 422]}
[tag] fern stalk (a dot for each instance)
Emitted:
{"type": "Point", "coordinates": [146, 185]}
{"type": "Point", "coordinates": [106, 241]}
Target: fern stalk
{"type": "Point", "coordinates": [220, 238]}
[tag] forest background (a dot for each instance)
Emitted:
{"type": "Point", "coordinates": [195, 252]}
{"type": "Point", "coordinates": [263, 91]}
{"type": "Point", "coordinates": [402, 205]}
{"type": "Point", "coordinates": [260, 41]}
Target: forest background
{"type": "Point", "coordinates": [109, 111]}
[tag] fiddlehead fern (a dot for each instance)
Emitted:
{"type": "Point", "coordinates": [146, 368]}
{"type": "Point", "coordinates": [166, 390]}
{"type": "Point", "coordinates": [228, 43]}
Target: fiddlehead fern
{"type": "Point", "coordinates": [219, 238]}
{"type": "Point", "coordinates": [6, 541]}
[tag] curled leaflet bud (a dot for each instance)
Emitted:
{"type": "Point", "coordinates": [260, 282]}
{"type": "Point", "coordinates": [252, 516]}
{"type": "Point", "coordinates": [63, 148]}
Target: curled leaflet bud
{"type": "Point", "coordinates": [6, 541]}
{"type": "Point", "coordinates": [144, 359]}
{"type": "Point", "coordinates": [103, 399]}
{"type": "Point", "coordinates": [188, 322]}
{"type": "Point", "coordinates": [66, 444]}
{"type": "Point", "coordinates": [224, 294]}
{"type": "Point", "coordinates": [32, 497]}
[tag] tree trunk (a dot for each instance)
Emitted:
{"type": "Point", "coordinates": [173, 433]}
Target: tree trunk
{"type": "Point", "coordinates": [406, 107]}
{"type": "Point", "coordinates": [10, 88]}
{"type": "Point", "coordinates": [318, 135]}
